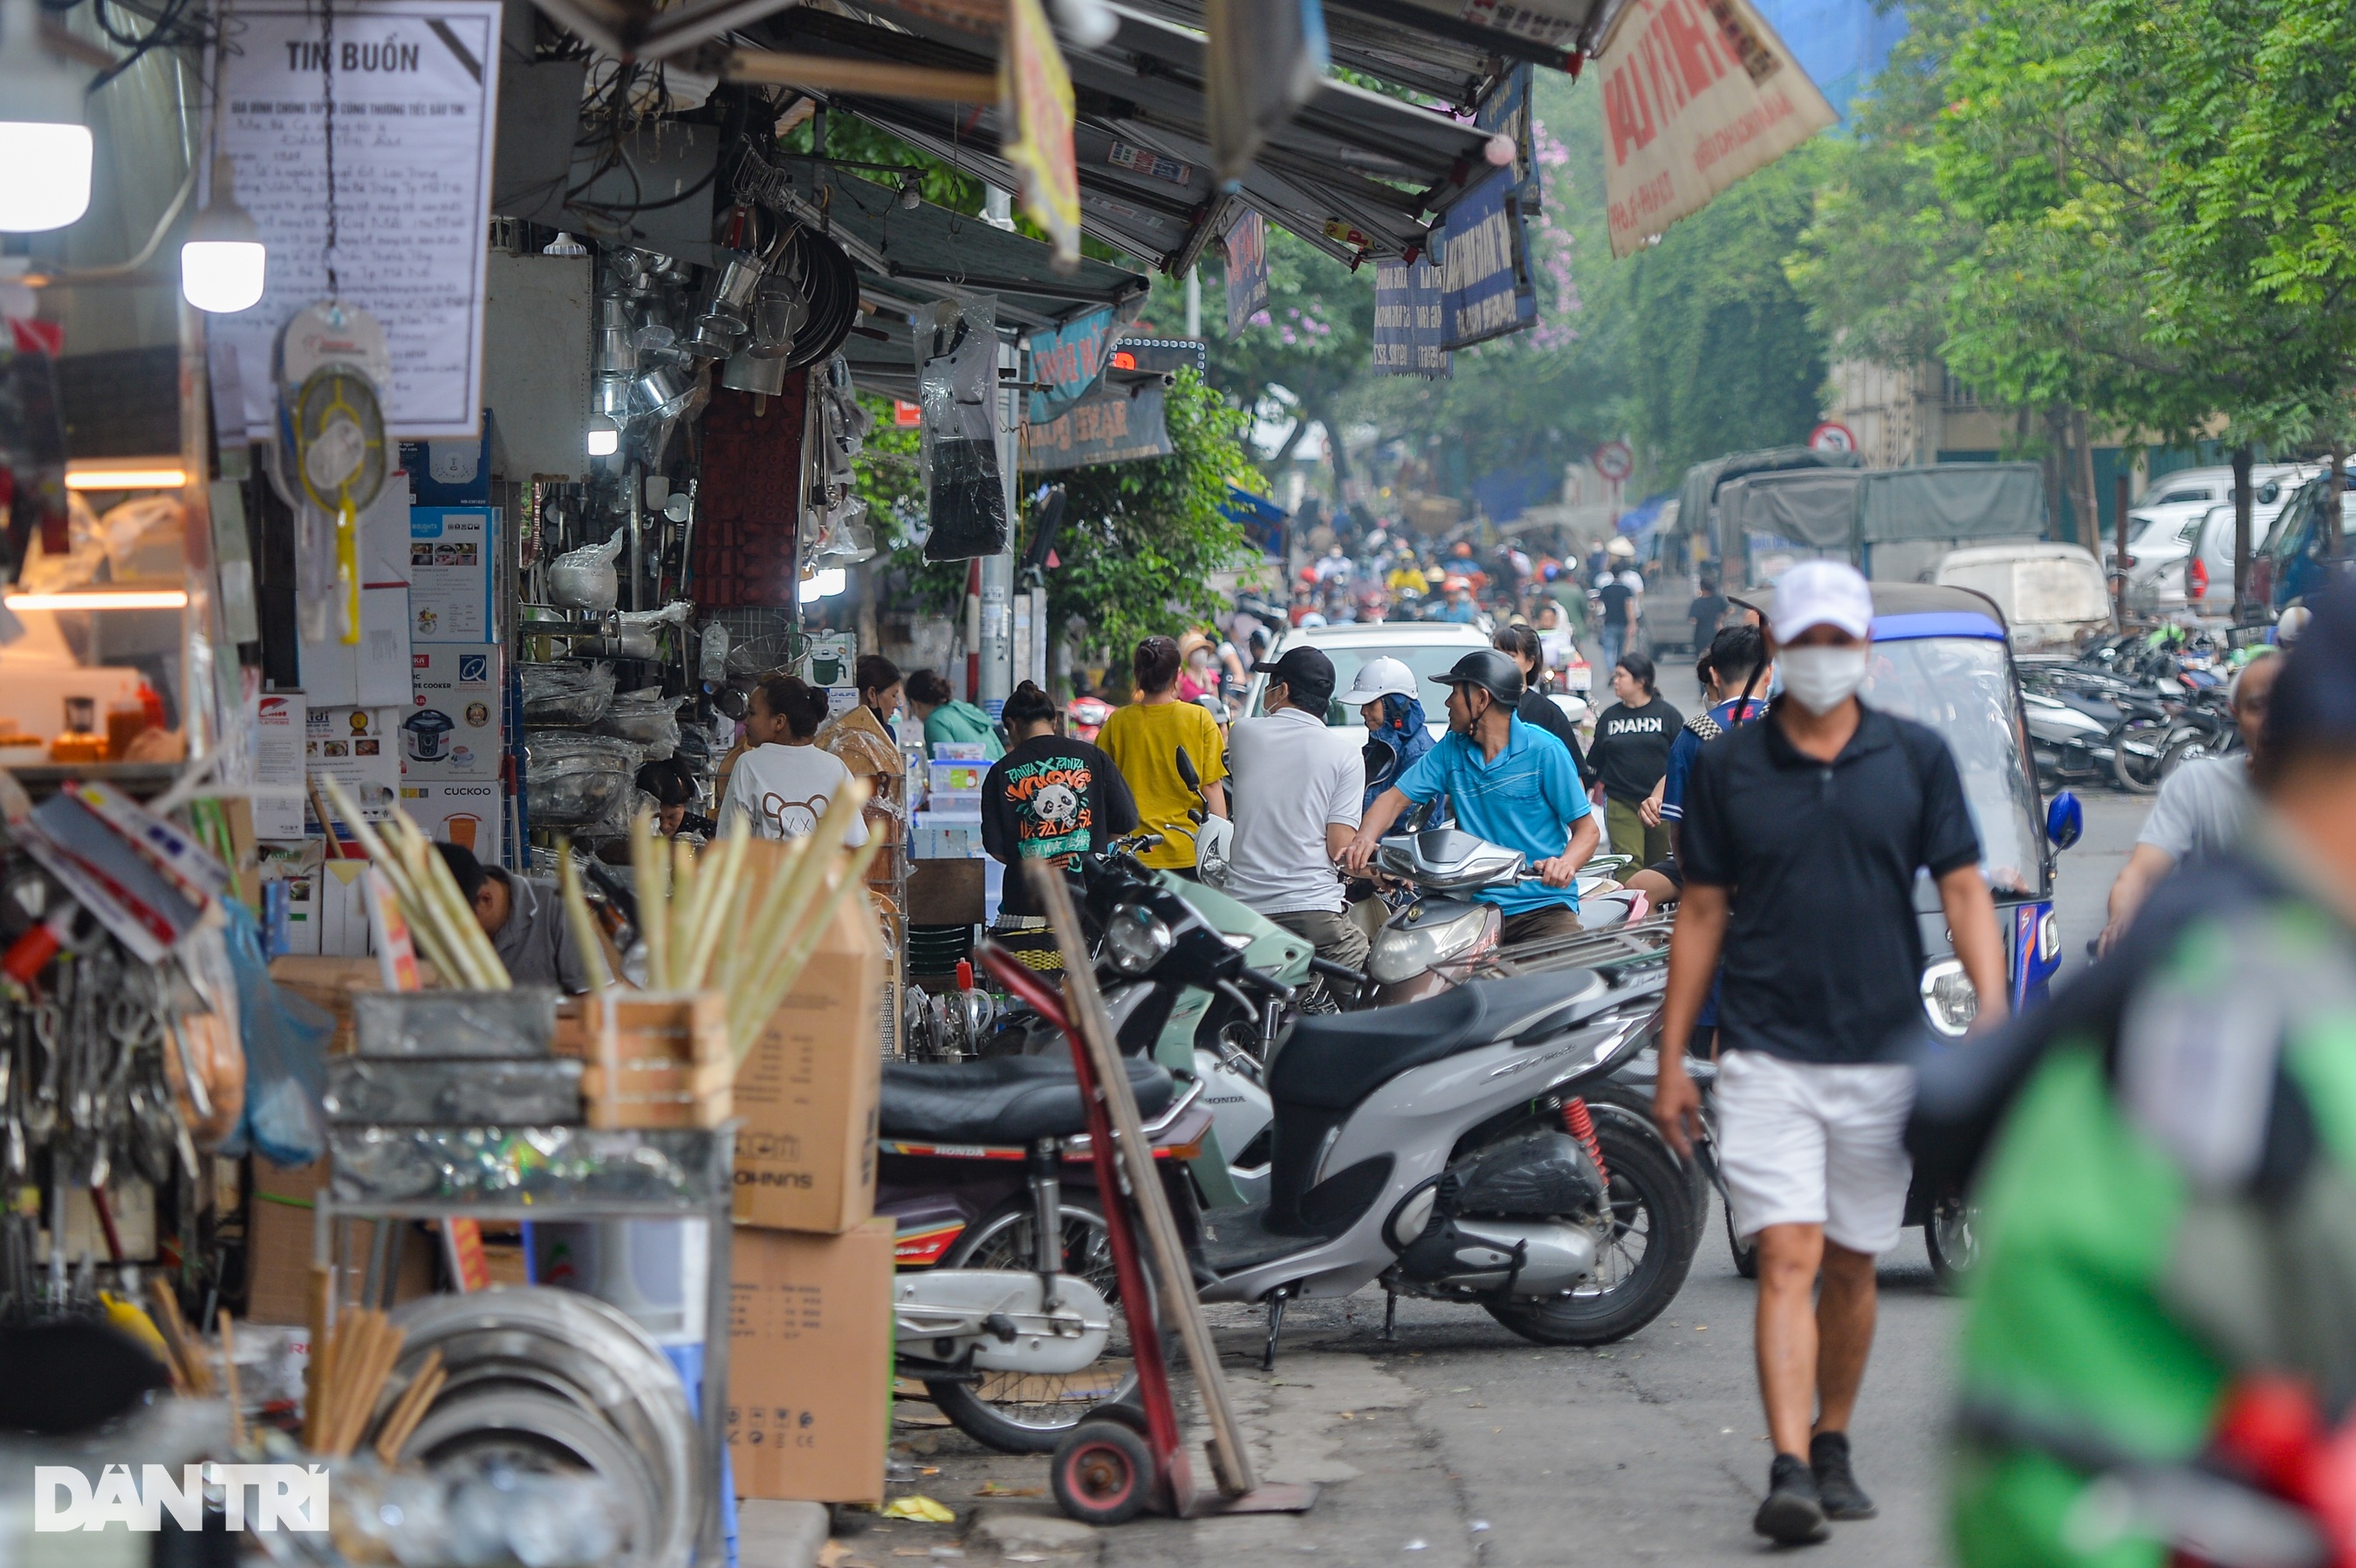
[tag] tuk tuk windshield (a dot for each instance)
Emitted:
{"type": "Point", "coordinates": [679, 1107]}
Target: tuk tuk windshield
{"type": "Point", "coordinates": [1963, 687]}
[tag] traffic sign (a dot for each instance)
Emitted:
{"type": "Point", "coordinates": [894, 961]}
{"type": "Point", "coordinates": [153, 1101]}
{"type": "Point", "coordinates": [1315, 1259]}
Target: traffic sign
{"type": "Point", "coordinates": [1832, 436]}
{"type": "Point", "coordinates": [1614, 461]}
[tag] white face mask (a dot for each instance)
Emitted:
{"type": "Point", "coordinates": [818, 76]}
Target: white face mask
{"type": "Point", "coordinates": [1821, 678]}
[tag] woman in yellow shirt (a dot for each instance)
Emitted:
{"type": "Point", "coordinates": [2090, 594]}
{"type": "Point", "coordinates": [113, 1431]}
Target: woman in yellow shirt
{"type": "Point", "coordinates": [1143, 740]}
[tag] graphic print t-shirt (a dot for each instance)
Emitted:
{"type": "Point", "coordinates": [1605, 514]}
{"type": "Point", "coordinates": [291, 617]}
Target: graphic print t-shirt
{"type": "Point", "coordinates": [784, 790]}
{"type": "Point", "coordinates": [1047, 798]}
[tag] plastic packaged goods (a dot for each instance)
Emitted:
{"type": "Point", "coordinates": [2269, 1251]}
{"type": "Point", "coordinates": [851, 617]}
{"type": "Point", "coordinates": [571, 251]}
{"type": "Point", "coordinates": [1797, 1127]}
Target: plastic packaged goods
{"type": "Point", "coordinates": [566, 693]}
{"type": "Point", "coordinates": [440, 1091]}
{"type": "Point", "coordinates": [585, 579]}
{"type": "Point", "coordinates": [956, 384]}
{"type": "Point", "coordinates": [573, 778]}
{"type": "Point", "coordinates": [514, 1024]}
{"type": "Point", "coordinates": [645, 718]}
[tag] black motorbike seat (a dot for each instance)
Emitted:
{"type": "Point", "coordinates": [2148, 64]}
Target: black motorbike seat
{"type": "Point", "coordinates": [1336, 1059]}
{"type": "Point", "coordinates": [1002, 1099]}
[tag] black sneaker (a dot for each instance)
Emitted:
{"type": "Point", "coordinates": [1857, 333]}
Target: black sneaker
{"type": "Point", "coordinates": [1790, 1514]}
{"type": "Point", "coordinates": [1836, 1487]}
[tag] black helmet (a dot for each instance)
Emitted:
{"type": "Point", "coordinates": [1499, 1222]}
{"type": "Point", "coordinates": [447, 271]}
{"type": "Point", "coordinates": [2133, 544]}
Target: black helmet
{"type": "Point", "coordinates": [1495, 673]}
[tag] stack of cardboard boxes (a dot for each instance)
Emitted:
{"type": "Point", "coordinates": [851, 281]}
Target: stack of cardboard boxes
{"type": "Point", "coordinates": [809, 1321]}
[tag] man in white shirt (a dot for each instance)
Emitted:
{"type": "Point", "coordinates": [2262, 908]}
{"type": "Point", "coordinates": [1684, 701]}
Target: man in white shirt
{"type": "Point", "coordinates": [1298, 788]}
{"type": "Point", "coordinates": [2202, 807]}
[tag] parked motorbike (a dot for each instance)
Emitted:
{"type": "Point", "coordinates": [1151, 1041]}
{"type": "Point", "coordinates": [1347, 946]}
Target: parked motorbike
{"type": "Point", "coordinates": [1084, 716]}
{"type": "Point", "coordinates": [1444, 1149]}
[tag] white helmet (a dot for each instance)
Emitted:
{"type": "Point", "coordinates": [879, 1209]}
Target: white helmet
{"type": "Point", "coordinates": [1381, 678]}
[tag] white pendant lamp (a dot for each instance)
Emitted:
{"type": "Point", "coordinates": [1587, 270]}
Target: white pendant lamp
{"type": "Point", "coordinates": [222, 264]}
{"type": "Point", "coordinates": [45, 147]}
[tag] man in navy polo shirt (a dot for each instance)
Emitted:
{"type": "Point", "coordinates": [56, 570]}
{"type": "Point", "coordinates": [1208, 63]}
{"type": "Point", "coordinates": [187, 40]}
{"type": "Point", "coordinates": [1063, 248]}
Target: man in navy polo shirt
{"type": "Point", "coordinates": [1510, 783]}
{"type": "Point", "coordinates": [1801, 840]}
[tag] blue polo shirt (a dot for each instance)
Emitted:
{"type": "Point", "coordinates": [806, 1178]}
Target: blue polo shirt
{"type": "Point", "coordinates": [1525, 799]}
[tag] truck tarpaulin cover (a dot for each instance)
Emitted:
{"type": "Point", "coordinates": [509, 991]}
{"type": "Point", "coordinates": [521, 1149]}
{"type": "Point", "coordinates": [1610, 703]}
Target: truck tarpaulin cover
{"type": "Point", "coordinates": [1953, 501]}
{"type": "Point", "coordinates": [1697, 94]}
{"type": "Point", "coordinates": [1816, 507]}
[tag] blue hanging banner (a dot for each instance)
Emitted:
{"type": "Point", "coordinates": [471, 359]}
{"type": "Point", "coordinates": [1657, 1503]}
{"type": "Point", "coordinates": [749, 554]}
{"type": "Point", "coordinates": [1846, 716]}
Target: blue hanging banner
{"type": "Point", "coordinates": [1505, 111]}
{"type": "Point", "coordinates": [1484, 266]}
{"type": "Point", "coordinates": [1407, 321]}
{"type": "Point", "coordinates": [1069, 359]}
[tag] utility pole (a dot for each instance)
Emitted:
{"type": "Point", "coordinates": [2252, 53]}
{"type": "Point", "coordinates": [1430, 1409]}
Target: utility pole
{"type": "Point", "coordinates": [2243, 459]}
{"type": "Point", "coordinates": [1195, 300]}
{"type": "Point", "coordinates": [2120, 563]}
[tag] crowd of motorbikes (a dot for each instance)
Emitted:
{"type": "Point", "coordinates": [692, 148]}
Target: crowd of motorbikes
{"type": "Point", "coordinates": [1485, 1143]}
{"type": "Point", "coordinates": [2130, 709]}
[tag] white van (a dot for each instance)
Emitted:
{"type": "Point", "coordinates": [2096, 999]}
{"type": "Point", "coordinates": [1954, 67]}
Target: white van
{"type": "Point", "coordinates": [2052, 595]}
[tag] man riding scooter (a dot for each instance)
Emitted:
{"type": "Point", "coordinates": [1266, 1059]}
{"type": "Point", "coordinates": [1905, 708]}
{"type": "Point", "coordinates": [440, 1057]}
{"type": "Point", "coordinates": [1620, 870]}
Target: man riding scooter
{"type": "Point", "coordinates": [1512, 784]}
{"type": "Point", "coordinates": [1297, 787]}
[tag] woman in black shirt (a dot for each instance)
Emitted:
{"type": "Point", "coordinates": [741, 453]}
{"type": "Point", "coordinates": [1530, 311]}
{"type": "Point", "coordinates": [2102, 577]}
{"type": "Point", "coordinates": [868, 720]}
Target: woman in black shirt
{"type": "Point", "coordinates": [1630, 755]}
{"type": "Point", "coordinates": [1049, 798]}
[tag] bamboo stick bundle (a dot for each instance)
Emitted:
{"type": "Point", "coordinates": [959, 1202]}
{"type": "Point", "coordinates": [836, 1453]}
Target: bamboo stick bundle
{"type": "Point", "coordinates": [585, 934]}
{"type": "Point", "coordinates": [654, 898]}
{"type": "Point", "coordinates": [229, 1376]}
{"type": "Point", "coordinates": [429, 899]}
{"type": "Point", "coordinates": [411, 1408]}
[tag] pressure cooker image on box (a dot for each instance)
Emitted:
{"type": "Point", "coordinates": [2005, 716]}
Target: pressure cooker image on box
{"type": "Point", "coordinates": [429, 734]}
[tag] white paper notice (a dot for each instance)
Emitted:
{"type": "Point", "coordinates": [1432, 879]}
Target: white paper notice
{"type": "Point", "coordinates": [413, 86]}
{"type": "Point", "coordinates": [279, 720]}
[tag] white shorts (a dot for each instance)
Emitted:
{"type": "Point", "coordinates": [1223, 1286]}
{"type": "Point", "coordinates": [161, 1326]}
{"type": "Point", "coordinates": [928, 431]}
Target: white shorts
{"type": "Point", "coordinates": [1804, 1143]}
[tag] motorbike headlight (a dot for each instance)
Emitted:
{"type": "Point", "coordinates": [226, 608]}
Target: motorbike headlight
{"type": "Point", "coordinates": [1136, 939]}
{"type": "Point", "coordinates": [2049, 937]}
{"type": "Point", "coordinates": [1948, 997]}
{"type": "Point", "coordinates": [1408, 946]}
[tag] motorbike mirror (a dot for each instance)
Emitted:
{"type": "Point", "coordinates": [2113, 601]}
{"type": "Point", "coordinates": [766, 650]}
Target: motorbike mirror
{"type": "Point", "coordinates": [2065, 820]}
{"type": "Point", "coordinates": [1186, 771]}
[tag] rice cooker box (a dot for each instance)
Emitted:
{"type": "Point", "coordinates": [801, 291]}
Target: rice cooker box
{"type": "Point", "coordinates": [452, 732]}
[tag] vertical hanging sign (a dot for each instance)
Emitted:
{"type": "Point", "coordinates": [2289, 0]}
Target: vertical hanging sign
{"type": "Point", "coordinates": [1407, 321]}
{"type": "Point", "coordinates": [1484, 266]}
{"type": "Point", "coordinates": [1246, 244]}
{"type": "Point", "coordinates": [1035, 90]}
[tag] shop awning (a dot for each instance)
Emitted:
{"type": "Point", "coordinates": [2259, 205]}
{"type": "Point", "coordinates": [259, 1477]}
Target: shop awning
{"type": "Point", "coordinates": [907, 257]}
{"type": "Point", "coordinates": [1422, 48]}
{"type": "Point", "coordinates": [1353, 172]}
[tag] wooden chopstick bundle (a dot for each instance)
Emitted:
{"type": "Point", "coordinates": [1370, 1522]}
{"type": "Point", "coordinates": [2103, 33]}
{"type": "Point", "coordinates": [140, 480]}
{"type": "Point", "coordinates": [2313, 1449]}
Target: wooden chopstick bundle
{"type": "Point", "coordinates": [409, 1409]}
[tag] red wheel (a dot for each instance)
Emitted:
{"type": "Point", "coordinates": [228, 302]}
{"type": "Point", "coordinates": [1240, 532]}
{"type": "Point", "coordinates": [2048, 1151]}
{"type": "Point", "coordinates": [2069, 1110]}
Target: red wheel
{"type": "Point", "coordinates": [1103, 1473]}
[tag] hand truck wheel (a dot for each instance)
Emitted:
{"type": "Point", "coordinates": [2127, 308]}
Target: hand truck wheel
{"type": "Point", "coordinates": [1103, 1473]}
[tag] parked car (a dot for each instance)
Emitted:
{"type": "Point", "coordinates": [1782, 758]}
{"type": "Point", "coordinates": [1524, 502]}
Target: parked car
{"type": "Point", "coordinates": [2052, 595]}
{"type": "Point", "coordinates": [2277, 537]}
{"type": "Point", "coordinates": [1430, 648]}
{"type": "Point", "coordinates": [2164, 533]}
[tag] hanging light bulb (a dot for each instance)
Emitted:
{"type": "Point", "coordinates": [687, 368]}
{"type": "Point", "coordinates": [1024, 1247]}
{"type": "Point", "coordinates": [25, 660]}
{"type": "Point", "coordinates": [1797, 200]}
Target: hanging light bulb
{"type": "Point", "coordinates": [823, 585]}
{"type": "Point", "coordinates": [604, 436]}
{"type": "Point", "coordinates": [45, 147]}
{"type": "Point", "coordinates": [912, 194]}
{"type": "Point", "coordinates": [223, 263]}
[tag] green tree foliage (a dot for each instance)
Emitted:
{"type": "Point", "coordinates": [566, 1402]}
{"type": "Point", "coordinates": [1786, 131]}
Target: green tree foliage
{"type": "Point", "coordinates": [1312, 345]}
{"type": "Point", "coordinates": [1721, 354]}
{"type": "Point", "coordinates": [1140, 544]}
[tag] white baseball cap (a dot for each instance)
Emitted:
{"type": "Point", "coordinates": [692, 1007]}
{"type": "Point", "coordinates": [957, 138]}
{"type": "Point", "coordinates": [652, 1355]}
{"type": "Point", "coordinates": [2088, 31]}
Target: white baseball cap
{"type": "Point", "coordinates": [1381, 678]}
{"type": "Point", "coordinates": [1822, 593]}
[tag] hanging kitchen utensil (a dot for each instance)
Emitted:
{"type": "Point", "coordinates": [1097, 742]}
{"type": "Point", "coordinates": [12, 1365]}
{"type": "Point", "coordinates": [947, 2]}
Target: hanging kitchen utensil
{"type": "Point", "coordinates": [834, 303]}
{"type": "Point", "coordinates": [340, 462]}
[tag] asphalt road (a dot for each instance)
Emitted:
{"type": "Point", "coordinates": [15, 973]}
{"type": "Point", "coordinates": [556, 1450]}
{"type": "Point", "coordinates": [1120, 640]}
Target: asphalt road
{"type": "Point", "coordinates": [1461, 1444]}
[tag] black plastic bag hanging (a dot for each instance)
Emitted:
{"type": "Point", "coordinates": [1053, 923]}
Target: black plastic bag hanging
{"type": "Point", "coordinates": [957, 380]}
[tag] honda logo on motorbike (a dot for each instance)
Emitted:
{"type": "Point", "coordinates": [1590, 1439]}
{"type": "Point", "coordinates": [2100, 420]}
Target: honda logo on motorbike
{"type": "Point", "coordinates": [285, 1496]}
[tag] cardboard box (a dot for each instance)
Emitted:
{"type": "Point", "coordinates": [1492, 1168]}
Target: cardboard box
{"type": "Point", "coordinates": [806, 1094]}
{"type": "Point", "coordinates": [474, 815]}
{"type": "Point", "coordinates": [452, 732]}
{"type": "Point", "coordinates": [452, 552]}
{"type": "Point", "coordinates": [329, 983]}
{"type": "Point", "coordinates": [297, 865]}
{"type": "Point", "coordinates": [278, 1236]}
{"type": "Point", "coordinates": [358, 748]}
{"type": "Point", "coordinates": [810, 1364]}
